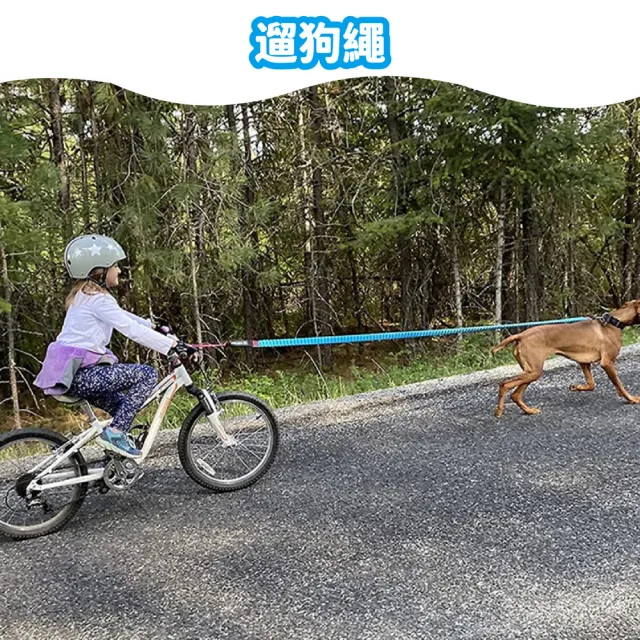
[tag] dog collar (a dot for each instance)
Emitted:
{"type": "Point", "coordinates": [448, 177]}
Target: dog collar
{"type": "Point", "coordinates": [607, 318]}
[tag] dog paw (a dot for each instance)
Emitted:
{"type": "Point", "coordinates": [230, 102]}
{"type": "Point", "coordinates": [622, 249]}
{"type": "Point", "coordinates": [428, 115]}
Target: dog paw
{"type": "Point", "coordinates": [634, 399]}
{"type": "Point", "coordinates": [498, 412]}
{"type": "Point", "coordinates": [531, 411]}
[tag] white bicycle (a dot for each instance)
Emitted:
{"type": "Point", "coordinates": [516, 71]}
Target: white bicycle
{"type": "Point", "coordinates": [227, 442]}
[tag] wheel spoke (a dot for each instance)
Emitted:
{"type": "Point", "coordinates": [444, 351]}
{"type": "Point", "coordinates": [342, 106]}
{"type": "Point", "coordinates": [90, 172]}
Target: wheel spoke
{"type": "Point", "coordinates": [13, 513]}
{"type": "Point", "coordinates": [237, 455]}
{"type": "Point", "coordinates": [248, 442]}
{"type": "Point", "coordinates": [211, 463]}
{"type": "Point", "coordinates": [249, 435]}
{"type": "Point", "coordinates": [255, 455]}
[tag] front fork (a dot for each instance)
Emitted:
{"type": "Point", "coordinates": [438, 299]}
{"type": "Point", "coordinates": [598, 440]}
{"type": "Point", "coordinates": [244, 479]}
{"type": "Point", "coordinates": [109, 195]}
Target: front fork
{"type": "Point", "coordinates": [212, 410]}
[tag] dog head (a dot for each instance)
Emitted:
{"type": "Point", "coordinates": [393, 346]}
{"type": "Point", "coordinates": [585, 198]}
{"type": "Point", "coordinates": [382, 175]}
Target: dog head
{"type": "Point", "coordinates": [629, 312]}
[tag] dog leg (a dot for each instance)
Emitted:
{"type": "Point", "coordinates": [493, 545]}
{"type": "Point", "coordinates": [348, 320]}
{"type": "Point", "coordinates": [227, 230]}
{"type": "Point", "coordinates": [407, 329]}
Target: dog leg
{"type": "Point", "coordinates": [502, 392]}
{"type": "Point", "coordinates": [591, 383]}
{"type": "Point", "coordinates": [523, 380]}
{"type": "Point", "coordinates": [610, 369]}
{"type": "Point", "coordinates": [516, 396]}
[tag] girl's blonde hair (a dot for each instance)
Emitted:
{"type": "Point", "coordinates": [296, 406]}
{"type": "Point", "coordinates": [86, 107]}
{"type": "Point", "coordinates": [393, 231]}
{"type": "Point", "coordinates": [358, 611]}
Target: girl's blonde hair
{"type": "Point", "coordinates": [87, 286]}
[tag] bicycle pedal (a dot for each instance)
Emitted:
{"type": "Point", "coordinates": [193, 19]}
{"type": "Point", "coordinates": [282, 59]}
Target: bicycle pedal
{"type": "Point", "coordinates": [138, 434]}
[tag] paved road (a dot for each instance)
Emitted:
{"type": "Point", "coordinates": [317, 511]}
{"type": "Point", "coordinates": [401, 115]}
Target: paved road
{"type": "Point", "coordinates": [409, 513]}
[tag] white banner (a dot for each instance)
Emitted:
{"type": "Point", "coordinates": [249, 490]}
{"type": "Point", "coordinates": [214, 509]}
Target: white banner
{"type": "Point", "coordinates": [554, 53]}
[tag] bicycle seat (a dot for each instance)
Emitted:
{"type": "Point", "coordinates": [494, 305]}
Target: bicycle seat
{"type": "Point", "coordinates": [67, 399]}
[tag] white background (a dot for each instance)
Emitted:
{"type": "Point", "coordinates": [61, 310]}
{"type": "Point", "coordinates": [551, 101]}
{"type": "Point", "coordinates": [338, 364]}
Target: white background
{"type": "Point", "coordinates": [562, 53]}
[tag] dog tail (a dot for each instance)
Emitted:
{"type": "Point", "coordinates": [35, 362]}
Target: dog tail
{"type": "Point", "coordinates": [506, 341]}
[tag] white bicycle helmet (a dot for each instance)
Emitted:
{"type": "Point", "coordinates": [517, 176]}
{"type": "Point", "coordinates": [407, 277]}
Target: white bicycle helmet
{"type": "Point", "coordinates": [86, 253]}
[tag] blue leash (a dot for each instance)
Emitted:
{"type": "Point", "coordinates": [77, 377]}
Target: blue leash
{"type": "Point", "coordinates": [388, 335]}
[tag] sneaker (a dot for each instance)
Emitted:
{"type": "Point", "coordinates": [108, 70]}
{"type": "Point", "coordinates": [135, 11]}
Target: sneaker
{"type": "Point", "coordinates": [118, 442]}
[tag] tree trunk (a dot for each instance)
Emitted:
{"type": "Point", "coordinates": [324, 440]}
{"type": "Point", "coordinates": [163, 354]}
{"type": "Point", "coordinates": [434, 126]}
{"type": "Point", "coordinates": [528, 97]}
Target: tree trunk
{"type": "Point", "coordinates": [502, 211]}
{"type": "Point", "coordinates": [570, 306]}
{"type": "Point", "coordinates": [339, 140]}
{"type": "Point", "coordinates": [530, 256]}
{"type": "Point", "coordinates": [457, 283]}
{"type": "Point", "coordinates": [314, 221]}
{"type": "Point", "coordinates": [95, 139]}
{"type": "Point", "coordinates": [13, 379]}
{"type": "Point", "coordinates": [190, 159]}
{"type": "Point", "coordinates": [320, 223]}
{"type": "Point", "coordinates": [636, 288]}
{"type": "Point", "coordinates": [249, 277]}
{"type": "Point", "coordinates": [59, 156]}
{"type": "Point", "coordinates": [195, 290]}
{"type": "Point", "coordinates": [396, 129]}
{"type": "Point", "coordinates": [510, 262]}
{"type": "Point", "coordinates": [82, 145]}
{"type": "Point", "coordinates": [517, 273]}
{"type": "Point", "coordinates": [241, 165]}
{"type": "Point", "coordinates": [630, 200]}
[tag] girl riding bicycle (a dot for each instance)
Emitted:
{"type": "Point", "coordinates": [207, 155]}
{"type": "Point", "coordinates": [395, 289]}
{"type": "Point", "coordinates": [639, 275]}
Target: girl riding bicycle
{"type": "Point", "coordinates": [79, 363]}
{"type": "Point", "coordinates": [226, 442]}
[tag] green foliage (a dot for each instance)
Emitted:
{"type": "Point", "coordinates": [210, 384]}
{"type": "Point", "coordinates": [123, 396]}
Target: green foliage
{"type": "Point", "coordinates": [393, 229]}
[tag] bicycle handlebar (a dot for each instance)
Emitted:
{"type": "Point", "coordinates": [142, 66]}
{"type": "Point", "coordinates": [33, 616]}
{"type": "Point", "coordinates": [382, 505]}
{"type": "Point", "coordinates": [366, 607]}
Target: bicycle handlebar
{"type": "Point", "coordinates": [176, 357]}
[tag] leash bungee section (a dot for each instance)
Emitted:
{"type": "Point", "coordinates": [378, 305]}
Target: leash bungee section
{"type": "Point", "coordinates": [377, 337]}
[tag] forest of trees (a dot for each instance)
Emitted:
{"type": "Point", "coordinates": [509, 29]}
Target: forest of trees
{"type": "Point", "coordinates": [354, 206]}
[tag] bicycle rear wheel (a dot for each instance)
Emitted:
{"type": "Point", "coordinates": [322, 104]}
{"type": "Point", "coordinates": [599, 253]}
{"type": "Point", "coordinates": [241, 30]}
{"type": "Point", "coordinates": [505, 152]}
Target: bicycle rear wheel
{"type": "Point", "coordinates": [223, 467]}
{"type": "Point", "coordinates": [25, 514]}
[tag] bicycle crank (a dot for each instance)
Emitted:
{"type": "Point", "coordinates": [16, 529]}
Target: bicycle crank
{"type": "Point", "coordinates": [121, 473]}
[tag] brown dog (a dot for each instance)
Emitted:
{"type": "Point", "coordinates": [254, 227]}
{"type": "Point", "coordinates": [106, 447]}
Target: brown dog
{"type": "Point", "coordinates": [586, 342]}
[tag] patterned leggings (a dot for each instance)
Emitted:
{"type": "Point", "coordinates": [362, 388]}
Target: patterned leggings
{"type": "Point", "coordinates": [119, 389]}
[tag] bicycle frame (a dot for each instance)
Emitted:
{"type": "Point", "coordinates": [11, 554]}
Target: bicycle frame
{"type": "Point", "coordinates": [167, 388]}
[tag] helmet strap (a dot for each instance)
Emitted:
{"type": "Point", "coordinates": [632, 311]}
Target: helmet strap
{"type": "Point", "coordinates": [102, 282]}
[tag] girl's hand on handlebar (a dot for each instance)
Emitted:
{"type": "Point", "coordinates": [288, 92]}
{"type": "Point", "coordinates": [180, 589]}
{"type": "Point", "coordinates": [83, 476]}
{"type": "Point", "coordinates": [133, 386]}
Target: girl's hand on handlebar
{"type": "Point", "coordinates": [185, 351]}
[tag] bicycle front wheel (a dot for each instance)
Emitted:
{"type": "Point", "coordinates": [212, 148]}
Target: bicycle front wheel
{"type": "Point", "coordinates": [29, 514]}
{"type": "Point", "coordinates": [227, 466]}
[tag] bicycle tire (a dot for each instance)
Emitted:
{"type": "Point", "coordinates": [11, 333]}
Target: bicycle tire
{"type": "Point", "coordinates": [197, 474]}
{"type": "Point", "coordinates": [69, 509]}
